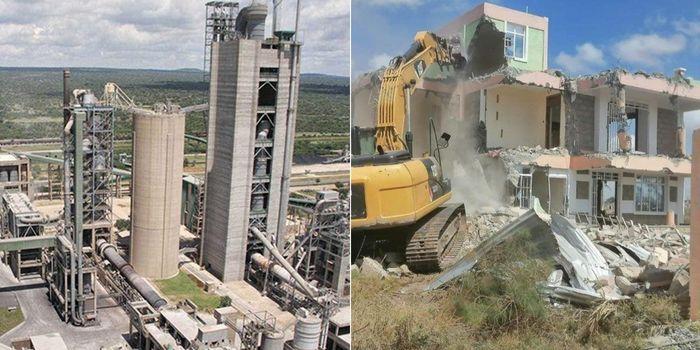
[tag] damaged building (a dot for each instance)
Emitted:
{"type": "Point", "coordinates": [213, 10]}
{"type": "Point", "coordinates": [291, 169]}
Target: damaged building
{"type": "Point", "coordinates": [591, 147]}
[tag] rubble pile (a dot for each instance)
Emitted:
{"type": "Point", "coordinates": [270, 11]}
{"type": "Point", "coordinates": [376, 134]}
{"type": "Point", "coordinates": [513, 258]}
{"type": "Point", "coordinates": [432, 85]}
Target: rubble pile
{"type": "Point", "coordinates": [595, 264]}
{"type": "Point", "coordinates": [484, 224]}
{"type": "Point", "coordinates": [370, 267]}
{"type": "Point", "coordinates": [481, 225]}
{"type": "Point", "coordinates": [645, 259]}
{"type": "Point", "coordinates": [612, 262]}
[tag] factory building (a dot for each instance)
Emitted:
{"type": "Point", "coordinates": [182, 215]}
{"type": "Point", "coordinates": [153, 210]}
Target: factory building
{"type": "Point", "coordinates": [253, 97]}
{"type": "Point", "coordinates": [15, 174]}
{"type": "Point", "coordinates": [19, 218]}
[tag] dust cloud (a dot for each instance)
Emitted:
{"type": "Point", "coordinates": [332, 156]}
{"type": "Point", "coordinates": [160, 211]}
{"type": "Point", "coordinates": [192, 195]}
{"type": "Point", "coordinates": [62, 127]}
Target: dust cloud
{"type": "Point", "coordinates": [474, 183]}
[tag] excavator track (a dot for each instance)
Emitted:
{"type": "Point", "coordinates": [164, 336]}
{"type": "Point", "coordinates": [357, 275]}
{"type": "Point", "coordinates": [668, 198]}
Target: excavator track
{"type": "Point", "coordinates": [437, 240]}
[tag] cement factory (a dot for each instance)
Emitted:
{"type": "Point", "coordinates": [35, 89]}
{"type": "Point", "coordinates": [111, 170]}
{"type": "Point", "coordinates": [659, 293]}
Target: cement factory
{"type": "Point", "coordinates": [279, 264]}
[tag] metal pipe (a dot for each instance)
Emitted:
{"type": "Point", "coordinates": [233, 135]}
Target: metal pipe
{"type": "Point", "coordinates": [409, 131]}
{"type": "Point", "coordinates": [69, 126]}
{"type": "Point", "coordinates": [296, 21]}
{"type": "Point", "coordinates": [68, 120]}
{"type": "Point", "coordinates": [66, 95]}
{"type": "Point", "coordinates": [289, 142]}
{"type": "Point", "coordinates": [110, 253]}
{"type": "Point", "coordinates": [278, 271]}
{"type": "Point", "coordinates": [43, 219]}
{"type": "Point", "coordinates": [78, 205]}
{"type": "Point", "coordinates": [305, 287]}
{"type": "Point", "coordinates": [71, 253]}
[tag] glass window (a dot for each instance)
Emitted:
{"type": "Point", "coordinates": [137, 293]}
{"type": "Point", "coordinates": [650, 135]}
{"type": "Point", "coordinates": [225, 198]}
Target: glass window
{"type": "Point", "coordinates": [649, 194]}
{"type": "Point", "coordinates": [582, 190]}
{"type": "Point", "coordinates": [515, 41]}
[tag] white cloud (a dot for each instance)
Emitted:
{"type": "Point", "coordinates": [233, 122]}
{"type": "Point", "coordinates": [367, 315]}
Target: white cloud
{"type": "Point", "coordinates": [379, 61]}
{"type": "Point", "coordinates": [648, 49]}
{"type": "Point", "coordinates": [587, 58]}
{"type": "Point", "coordinates": [687, 27]}
{"type": "Point", "coordinates": [165, 34]}
{"type": "Point", "coordinates": [655, 21]}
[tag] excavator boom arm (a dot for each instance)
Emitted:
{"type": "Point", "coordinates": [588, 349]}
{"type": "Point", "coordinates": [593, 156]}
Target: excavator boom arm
{"type": "Point", "coordinates": [399, 82]}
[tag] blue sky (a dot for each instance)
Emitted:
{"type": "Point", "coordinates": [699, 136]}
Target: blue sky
{"type": "Point", "coordinates": [584, 36]}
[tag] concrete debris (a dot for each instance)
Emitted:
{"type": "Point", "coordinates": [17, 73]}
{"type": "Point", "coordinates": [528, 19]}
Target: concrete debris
{"type": "Point", "coordinates": [401, 271]}
{"type": "Point", "coordinates": [594, 263]}
{"type": "Point", "coordinates": [484, 224]}
{"type": "Point", "coordinates": [661, 254]}
{"type": "Point", "coordinates": [513, 158]}
{"type": "Point", "coordinates": [658, 277]}
{"type": "Point", "coordinates": [625, 286]}
{"type": "Point", "coordinates": [588, 276]}
{"type": "Point", "coordinates": [677, 338]}
{"type": "Point", "coordinates": [532, 218]}
{"type": "Point", "coordinates": [680, 285]}
{"type": "Point", "coordinates": [631, 273]}
{"type": "Point", "coordinates": [371, 267]}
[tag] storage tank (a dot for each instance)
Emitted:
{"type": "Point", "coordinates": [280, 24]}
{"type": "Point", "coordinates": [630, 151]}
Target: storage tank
{"type": "Point", "coordinates": [272, 340]}
{"type": "Point", "coordinates": [251, 21]}
{"type": "Point", "coordinates": [307, 331]}
{"type": "Point", "coordinates": [261, 165]}
{"type": "Point", "coordinates": [158, 147]}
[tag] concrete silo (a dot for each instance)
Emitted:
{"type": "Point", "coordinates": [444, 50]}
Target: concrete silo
{"type": "Point", "coordinates": [158, 148]}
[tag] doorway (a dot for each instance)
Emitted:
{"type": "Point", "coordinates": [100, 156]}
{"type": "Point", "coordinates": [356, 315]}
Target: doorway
{"type": "Point", "coordinates": [605, 194]}
{"type": "Point", "coordinates": [553, 121]}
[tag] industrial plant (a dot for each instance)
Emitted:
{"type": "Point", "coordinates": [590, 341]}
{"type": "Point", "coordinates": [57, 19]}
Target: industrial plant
{"type": "Point", "coordinates": [263, 261]}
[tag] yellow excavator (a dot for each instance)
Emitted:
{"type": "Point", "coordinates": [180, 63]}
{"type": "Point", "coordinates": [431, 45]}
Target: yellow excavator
{"type": "Point", "coordinates": [399, 198]}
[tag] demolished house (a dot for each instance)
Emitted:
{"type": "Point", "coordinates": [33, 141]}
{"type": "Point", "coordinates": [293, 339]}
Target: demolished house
{"type": "Point", "coordinates": [602, 147]}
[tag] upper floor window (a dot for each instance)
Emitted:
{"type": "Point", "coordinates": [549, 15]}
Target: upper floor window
{"type": "Point", "coordinates": [515, 41]}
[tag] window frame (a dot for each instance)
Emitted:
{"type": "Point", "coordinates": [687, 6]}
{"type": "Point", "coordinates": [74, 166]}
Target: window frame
{"type": "Point", "coordinates": [660, 180]}
{"type": "Point", "coordinates": [525, 40]}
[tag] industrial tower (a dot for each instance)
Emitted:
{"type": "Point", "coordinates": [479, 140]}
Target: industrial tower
{"type": "Point", "coordinates": [253, 98]}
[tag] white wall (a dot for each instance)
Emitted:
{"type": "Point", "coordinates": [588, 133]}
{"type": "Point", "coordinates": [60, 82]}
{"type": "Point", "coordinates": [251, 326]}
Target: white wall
{"type": "Point", "coordinates": [652, 120]}
{"type": "Point", "coordinates": [626, 207]}
{"type": "Point", "coordinates": [579, 205]}
{"type": "Point", "coordinates": [521, 116]}
{"type": "Point", "coordinates": [677, 207]}
{"type": "Point", "coordinates": [602, 98]}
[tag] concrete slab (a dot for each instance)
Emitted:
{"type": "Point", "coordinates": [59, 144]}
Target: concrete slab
{"type": "Point", "coordinates": [51, 341]}
{"type": "Point", "coordinates": [244, 297]}
{"type": "Point", "coordinates": [248, 293]}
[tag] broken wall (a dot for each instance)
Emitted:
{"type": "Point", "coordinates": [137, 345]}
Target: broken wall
{"type": "Point", "coordinates": [666, 132]}
{"type": "Point", "coordinates": [584, 119]}
{"type": "Point", "coordinates": [515, 116]}
{"type": "Point", "coordinates": [485, 53]}
{"type": "Point", "coordinates": [365, 93]}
